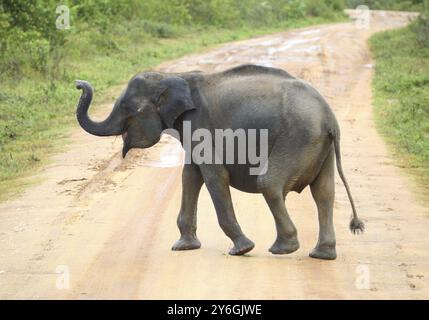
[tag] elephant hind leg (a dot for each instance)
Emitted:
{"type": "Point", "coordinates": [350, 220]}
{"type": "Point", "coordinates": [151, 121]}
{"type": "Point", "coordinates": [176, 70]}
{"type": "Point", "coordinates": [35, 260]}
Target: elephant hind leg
{"type": "Point", "coordinates": [286, 241]}
{"type": "Point", "coordinates": [323, 191]}
{"type": "Point", "coordinates": [274, 186]}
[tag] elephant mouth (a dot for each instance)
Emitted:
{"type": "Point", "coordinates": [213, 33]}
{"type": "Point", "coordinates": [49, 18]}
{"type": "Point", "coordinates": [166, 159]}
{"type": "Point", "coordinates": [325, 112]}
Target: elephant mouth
{"type": "Point", "coordinates": [130, 143]}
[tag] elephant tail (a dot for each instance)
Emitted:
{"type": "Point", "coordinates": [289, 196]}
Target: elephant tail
{"type": "Point", "coordinates": [356, 225]}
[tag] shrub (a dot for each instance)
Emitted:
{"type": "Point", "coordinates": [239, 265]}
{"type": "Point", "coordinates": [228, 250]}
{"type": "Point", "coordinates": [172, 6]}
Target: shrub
{"type": "Point", "coordinates": [405, 5]}
{"type": "Point", "coordinates": [159, 29]}
{"type": "Point", "coordinates": [24, 52]}
{"type": "Point", "coordinates": [421, 27]}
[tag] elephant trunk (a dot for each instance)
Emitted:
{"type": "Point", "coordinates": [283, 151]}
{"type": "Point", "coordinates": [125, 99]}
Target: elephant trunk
{"type": "Point", "coordinates": [113, 125]}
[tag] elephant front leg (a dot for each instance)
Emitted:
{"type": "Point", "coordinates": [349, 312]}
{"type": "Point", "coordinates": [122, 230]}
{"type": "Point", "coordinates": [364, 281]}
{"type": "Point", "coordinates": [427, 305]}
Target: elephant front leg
{"type": "Point", "coordinates": [187, 219]}
{"type": "Point", "coordinates": [216, 179]}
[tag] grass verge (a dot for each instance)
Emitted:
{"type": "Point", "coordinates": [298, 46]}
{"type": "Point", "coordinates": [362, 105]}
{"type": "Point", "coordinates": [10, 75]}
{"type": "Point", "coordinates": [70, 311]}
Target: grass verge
{"type": "Point", "coordinates": [401, 98]}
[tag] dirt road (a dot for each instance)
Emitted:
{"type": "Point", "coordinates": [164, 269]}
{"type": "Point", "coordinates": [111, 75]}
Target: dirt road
{"type": "Point", "coordinates": [100, 227]}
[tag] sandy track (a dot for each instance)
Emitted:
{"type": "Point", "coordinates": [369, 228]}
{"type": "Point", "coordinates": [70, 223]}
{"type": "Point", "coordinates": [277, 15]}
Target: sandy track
{"type": "Point", "coordinates": [111, 223]}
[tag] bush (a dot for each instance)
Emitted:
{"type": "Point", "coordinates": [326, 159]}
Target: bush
{"type": "Point", "coordinates": [28, 37]}
{"type": "Point", "coordinates": [421, 27]}
{"type": "Point", "coordinates": [159, 29]}
{"type": "Point", "coordinates": [293, 9]}
{"type": "Point", "coordinates": [404, 5]}
{"type": "Point", "coordinates": [172, 12]}
{"type": "Point", "coordinates": [24, 51]}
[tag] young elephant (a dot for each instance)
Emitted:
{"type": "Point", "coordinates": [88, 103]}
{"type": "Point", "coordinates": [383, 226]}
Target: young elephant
{"type": "Point", "coordinates": [302, 144]}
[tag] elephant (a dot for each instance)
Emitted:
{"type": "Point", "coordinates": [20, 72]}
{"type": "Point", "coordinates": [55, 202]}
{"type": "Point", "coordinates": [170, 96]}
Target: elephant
{"type": "Point", "coordinates": [303, 145]}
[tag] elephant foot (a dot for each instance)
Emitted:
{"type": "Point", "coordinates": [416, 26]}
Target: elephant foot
{"type": "Point", "coordinates": [241, 246]}
{"type": "Point", "coordinates": [326, 252]}
{"type": "Point", "coordinates": [186, 243]}
{"type": "Point", "coordinates": [282, 246]}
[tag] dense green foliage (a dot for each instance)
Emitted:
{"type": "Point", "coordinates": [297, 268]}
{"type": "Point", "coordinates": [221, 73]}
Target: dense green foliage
{"type": "Point", "coordinates": [109, 41]}
{"type": "Point", "coordinates": [402, 5]}
{"type": "Point", "coordinates": [401, 86]}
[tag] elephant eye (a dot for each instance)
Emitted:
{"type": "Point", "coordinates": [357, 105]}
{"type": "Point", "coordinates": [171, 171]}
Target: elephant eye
{"type": "Point", "coordinates": [140, 105]}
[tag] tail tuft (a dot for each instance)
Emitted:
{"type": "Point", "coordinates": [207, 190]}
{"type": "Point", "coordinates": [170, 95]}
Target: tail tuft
{"type": "Point", "coordinates": [357, 226]}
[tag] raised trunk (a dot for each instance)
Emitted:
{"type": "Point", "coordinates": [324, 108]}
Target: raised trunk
{"type": "Point", "coordinates": [112, 126]}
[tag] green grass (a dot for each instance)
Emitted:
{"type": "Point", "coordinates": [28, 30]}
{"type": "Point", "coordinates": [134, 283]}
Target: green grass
{"type": "Point", "coordinates": [401, 97]}
{"type": "Point", "coordinates": [37, 112]}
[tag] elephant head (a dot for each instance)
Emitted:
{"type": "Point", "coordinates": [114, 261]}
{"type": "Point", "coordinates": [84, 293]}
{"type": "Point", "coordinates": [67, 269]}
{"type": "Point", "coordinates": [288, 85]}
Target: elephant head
{"type": "Point", "coordinates": [151, 103]}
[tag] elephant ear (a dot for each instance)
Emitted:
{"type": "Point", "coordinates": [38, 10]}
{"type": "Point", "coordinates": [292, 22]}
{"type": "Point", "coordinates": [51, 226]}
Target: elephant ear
{"type": "Point", "coordinates": [174, 100]}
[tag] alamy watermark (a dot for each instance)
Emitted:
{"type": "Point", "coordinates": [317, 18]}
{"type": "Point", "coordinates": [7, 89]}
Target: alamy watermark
{"type": "Point", "coordinates": [363, 17]}
{"type": "Point", "coordinates": [63, 19]}
{"type": "Point", "coordinates": [63, 277]}
{"type": "Point", "coordinates": [228, 146]}
{"type": "Point", "coordinates": [363, 277]}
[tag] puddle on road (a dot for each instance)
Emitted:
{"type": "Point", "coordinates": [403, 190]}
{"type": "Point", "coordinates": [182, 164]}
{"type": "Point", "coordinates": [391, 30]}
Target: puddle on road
{"type": "Point", "coordinates": [307, 32]}
{"type": "Point", "coordinates": [271, 42]}
{"type": "Point", "coordinates": [310, 49]}
{"type": "Point", "coordinates": [287, 47]}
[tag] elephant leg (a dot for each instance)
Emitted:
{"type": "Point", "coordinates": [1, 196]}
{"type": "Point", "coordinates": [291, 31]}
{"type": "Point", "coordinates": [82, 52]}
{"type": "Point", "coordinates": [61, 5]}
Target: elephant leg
{"type": "Point", "coordinates": [323, 191]}
{"type": "Point", "coordinates": [192, 181]}
{"type": "Point", "coordinates": [216, 178]}
{"type": "Point", "coordinates": [286, 241]}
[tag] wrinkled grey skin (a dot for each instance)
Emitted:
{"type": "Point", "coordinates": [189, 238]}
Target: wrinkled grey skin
{"type": "Point", "coordinates": [303, 144]}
